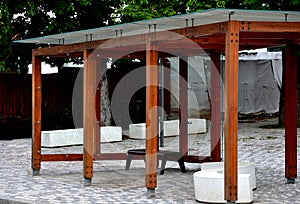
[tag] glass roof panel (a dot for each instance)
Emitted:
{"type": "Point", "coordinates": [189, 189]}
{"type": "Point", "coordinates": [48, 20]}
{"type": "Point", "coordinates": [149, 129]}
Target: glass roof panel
{"type": "Point", "coordinates": [166, 23]}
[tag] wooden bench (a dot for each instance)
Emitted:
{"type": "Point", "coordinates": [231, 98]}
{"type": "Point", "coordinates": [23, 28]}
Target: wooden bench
{"type": "Point", "coordinates": [162, 155]}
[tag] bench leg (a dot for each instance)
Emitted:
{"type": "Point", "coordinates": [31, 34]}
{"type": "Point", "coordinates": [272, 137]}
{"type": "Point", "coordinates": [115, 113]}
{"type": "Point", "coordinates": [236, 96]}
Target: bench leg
{"type": "Point", "coordinates": [163, 165]}
{"type": "Point", "coordinates": [181, 165]}
{"type": "Point", "coordinates": [128, 161]}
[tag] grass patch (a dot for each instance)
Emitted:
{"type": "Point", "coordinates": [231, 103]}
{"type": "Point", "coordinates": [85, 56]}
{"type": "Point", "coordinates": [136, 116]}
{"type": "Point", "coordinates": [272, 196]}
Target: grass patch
{"type": "Point", "coordinates": [247, 138]}
{"type": "Point", "coordinates": [269, 138]}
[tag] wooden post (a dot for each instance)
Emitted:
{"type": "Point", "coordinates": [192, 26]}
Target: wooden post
{"type": "Point", "coordinates": [231, 112]}
{"type": "Point", "coordinates": [215, 107]}
{"type": "Point", "coordinates": [291, 113]}
{"type": "Point", "coordinates": [183, 105]}
{"type": "Point", "coordinates": [89, 115]}
{"type": "Point", "coordinates": [151, 116]}
{"type": "Point", "coordinates": [36, 114]}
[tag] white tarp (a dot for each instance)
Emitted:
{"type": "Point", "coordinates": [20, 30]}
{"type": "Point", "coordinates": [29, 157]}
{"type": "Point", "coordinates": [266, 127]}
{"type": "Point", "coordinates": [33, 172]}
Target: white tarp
{"type": "Point", "coordinates": [260, 79]}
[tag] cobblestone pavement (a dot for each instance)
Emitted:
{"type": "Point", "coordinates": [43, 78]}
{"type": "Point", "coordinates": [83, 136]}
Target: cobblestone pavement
{"type": "Point", "coordinates": [62, 182]}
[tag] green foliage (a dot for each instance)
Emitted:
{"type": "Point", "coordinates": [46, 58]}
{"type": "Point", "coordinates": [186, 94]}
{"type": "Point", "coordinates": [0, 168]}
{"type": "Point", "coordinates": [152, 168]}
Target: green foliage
{"type": "Point", "coordinates": [194, 5]}
{"type": "Point", "coordinates": [44, 17]}
{"type": "Point", "coordinates": [134, 10]}
{"type": "Point", "coordinates": [5, 34]}
{"type": "Point", "coordinates": [293, 5]}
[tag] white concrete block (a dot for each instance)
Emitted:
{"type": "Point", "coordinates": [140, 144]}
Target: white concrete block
{"type": "Point", "coordinates": [58, 138]}
{"type": "Point", "coordinates": [243, 168]}
{"type": "Point", "coordinates": [111, 134]}
{"type": "Point", "coordinates": [171, 128]}
{"type": "Point", "coordinates": [137, 131]}
{"type": "Point", "coordinates": [209, 183]}
{"type": "Point", "coordinates": [196, 125]}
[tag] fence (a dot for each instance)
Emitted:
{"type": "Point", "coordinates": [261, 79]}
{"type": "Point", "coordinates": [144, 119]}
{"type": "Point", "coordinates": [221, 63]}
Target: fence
{"type": "Point", "coordinates": [16, 103]}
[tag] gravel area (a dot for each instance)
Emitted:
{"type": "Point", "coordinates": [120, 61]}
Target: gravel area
{"type": "Point", "coordinates": [62, 182]}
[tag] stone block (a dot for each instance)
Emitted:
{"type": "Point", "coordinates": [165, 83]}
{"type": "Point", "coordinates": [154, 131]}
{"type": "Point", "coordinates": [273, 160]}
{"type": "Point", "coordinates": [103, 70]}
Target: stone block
{"type": "Point", "coordinates": [209, 183]}
{"type": "Point", "coordinates": [57, 138]}
{"type": "Point", "coordinates": [111, 134]}
{"type": "Point", "coordinates": [196, 125]}
{"type": "Point", "coordinates": [171, 128]}
{"type": "Point", "coordinates": [68, 137]}
{"type": "Point", "coordinates": [137, 131]}
{"type": "Point", "coordinates": [243, 167]}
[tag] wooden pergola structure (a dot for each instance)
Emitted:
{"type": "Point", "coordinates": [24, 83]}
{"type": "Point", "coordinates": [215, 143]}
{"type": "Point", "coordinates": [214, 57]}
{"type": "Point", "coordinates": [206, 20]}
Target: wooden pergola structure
{"type": "Point", "coordinates": [214, 32]}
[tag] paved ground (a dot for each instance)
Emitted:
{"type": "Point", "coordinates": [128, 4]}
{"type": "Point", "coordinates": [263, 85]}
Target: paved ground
{"type": "Point", "coordinates": [62, 182]}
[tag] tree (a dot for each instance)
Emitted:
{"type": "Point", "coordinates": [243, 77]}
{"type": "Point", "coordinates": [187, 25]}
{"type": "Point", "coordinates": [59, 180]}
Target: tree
{"type": "Point", "coordinates": [292, 5]}
{"type": "Point", "coordinates": [5, 34]}
{"type": "Point", "coordinates": [33, 18]}
{"type": "Point", "coordinates": [134, 10]}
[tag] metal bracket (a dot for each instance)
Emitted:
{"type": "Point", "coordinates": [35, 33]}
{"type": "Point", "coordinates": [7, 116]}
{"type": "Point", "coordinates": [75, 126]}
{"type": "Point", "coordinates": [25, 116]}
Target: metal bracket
{"type": "Point", "coordinates": [87, 182]}
{"type": "Point", "coordinates": [290, 180]}
{"type": "Point", "coordinates": [35, 172]}
{"type": "Point", "coordinates": [150, 192]}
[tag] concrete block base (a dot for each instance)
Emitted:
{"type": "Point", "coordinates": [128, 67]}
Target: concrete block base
{"type": "Point", "coordinates": [171, 128]}
{"type": "Point", "coordinates": [209, 183]}
{"type": "Point", "coordinates": [68, 137]}
{"type": "Point", "coordinates": [58, 138]}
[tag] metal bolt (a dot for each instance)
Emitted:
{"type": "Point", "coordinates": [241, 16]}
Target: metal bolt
{"type": "Point", "coordinates": [186, 22]}
{"type": "Point", "coordinates": [286, 16]}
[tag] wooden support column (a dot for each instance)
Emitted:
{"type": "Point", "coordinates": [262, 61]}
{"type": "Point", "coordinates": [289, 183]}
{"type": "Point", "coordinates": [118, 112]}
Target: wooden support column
{"type": "Point", "coordinates": [183, 105]}
{"type": "Point", "coordinates": [36, 114]}
{"type": "Point", "coordinates": [291, 113]}
{"type": "Point", "coordinates": [231, 112]}
{"type": "Point", "coordinates": [89, 115]}
{"type": "Point", "coordinates": [99, 66]}
{"type": "Point", "coordinates": [215, 107]}
{"type": "Point", "coordinates": [152, 92]}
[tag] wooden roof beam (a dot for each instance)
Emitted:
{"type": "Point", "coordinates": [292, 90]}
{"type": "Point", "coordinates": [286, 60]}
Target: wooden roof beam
{"type": "Point", "coordinates": [270, 35]}
{"type": "Point", "coordinates": [275, 27]}
{"type": "Point", "coordinates": [176, 34]}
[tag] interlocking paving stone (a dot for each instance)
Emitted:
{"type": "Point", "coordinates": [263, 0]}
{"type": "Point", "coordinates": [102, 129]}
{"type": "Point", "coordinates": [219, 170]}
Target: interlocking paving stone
{"type": "Point", "coordinates": [62, 182]}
